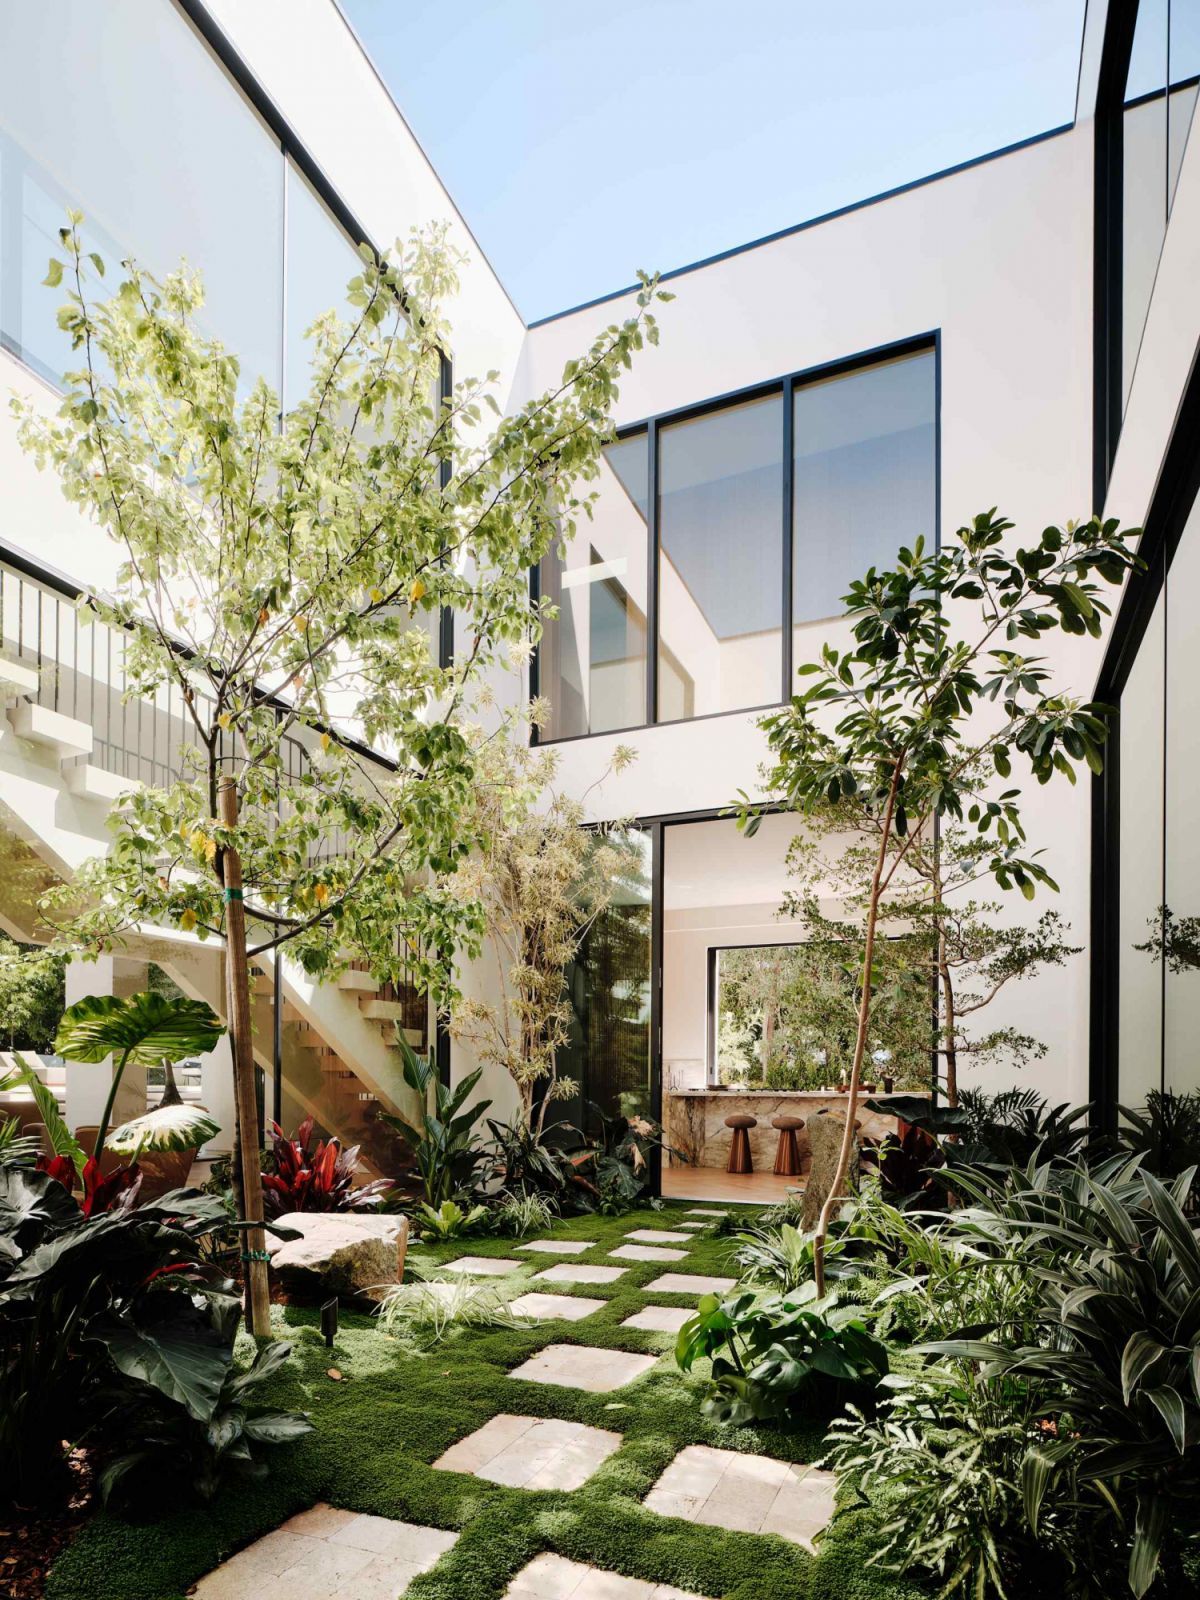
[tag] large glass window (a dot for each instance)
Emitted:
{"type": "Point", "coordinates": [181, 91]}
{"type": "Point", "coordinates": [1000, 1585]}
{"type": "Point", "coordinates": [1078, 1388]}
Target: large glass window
{"type": "Point", "coordinates": [608, 1057]}
{"type": "Point", "coordinates": [702, 499]}
{"type": "Point", "coordinates": [1160, 96]}
{"type": "Point", "coordinates": [141, 130]}
{"type": "Point", "coordinates": [592, 658]}
{"type": "Point", "coordinates": [721, 561]}
{"type": "Point", "coordinates": [864, 478]}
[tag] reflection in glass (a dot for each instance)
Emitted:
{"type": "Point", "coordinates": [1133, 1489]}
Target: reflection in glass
{"type": "Point", "coordinates": [865, 469]}
{"type": "Point", "coordinates": [721, 533]}
{"type": "Point", "coordinates": [1160, 98]}
{"type": "Point", "coordinates": [592, 656]}
{"type": "Point", "coordinates": [609, 992]}
{"type": "Point", "coordinates": [1141, 869]}
{"type": "Point", "coordinates": [1181, 953]}
{"type": "Point", "coordinates": [142, 131]}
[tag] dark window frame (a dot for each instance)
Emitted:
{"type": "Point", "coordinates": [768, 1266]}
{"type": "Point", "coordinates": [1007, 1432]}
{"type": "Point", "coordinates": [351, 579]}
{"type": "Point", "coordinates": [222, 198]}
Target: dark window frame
{"type": "Point", "coordinates": [1175, 495]}
{"type": "Point", "coordinates": [926, 343]}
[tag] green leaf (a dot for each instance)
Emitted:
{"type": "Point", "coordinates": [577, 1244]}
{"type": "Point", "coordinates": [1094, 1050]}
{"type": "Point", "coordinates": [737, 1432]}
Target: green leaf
{"type": "Point", "coordinates": [179, 1127]}
{"type": "Point", "coordinates": [1140, 1354]}
{"type": "Point", "coordinates": [151, 1027]}
{"type": "Point", "coordinates": [62, 1141]}
{"type": "Point", "coordinates": [54, 273]}
{"type": "Point", "coordinates": [184, 1361]}
{"type": "Point", "coordinates": [1147, 1541]}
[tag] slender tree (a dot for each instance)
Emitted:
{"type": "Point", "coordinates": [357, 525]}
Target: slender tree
{"type": "Point", "coordinates": [280, 574]}
{"type": "Point", "coordinates": [895, 727]}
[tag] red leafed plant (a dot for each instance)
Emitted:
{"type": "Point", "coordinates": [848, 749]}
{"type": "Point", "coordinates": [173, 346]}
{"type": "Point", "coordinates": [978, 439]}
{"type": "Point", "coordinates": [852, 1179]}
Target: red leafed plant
{"type": "Point", "coordinates": [100, 1192]}
{"type": "Point", "coordinates": [315, 1180]}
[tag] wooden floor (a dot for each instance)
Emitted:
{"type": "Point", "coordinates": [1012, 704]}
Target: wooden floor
{"type": "Point", "coordinates": [714, 1183]}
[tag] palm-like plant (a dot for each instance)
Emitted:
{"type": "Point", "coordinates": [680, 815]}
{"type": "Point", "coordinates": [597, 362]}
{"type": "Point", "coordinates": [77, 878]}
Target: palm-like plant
{"type": "Point", "coordinates": [148, 1029]}
{"type": "Point", "coordinates": [1116, 1371]}
{"type": "Point", "coordinates": [444, 1145]}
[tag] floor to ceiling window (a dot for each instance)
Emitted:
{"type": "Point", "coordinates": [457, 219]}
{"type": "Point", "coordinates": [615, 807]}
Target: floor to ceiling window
{"type": "Point", "coordinates": [1157, 845]}
{"type": "Point", "coordinates": [701, 575]}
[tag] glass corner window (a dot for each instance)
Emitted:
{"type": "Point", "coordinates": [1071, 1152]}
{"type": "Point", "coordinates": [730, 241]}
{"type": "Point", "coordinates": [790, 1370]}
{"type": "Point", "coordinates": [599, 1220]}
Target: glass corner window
{"type": "Point", "coordinates": [592, 656]}
{"type": "Point", "coordinates": [721, 561]}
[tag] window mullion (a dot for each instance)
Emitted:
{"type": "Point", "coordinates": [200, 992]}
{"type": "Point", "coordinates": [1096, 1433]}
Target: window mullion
{"type": "Point", "coordinates": [789, 413]}
{"type": "Point", "coordinates": [652, 559]}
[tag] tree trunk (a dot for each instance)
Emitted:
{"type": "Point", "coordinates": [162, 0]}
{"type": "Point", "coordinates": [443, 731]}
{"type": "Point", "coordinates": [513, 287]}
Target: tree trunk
{"type": "Point", "coordinates": [170, 1095]}
{"type": "Point", "coordinates": [860, 1043]}
{"type": "Point", "coordinates": [249, 1138]}
{"type": "Point", "coordinates": [950, 1023]}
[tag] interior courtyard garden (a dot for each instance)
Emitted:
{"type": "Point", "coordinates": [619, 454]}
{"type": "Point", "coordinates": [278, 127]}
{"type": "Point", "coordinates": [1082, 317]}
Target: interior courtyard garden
{"type": "Point", "coordinates": [598, 945]}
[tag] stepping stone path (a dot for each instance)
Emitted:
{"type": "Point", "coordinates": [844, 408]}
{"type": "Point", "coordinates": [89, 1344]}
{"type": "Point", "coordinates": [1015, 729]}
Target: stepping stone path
{"type": "Point", "coordinates": [546, 1307]}
{"type": "Point", "coordinates": [660, 1319]}
{"type": "Point", "coordinates": [577, 1272]}
{"type": "Point", "coordinates": [688, 1283]}
{"type": "Point", "coordinates": [559, 1247]}
{"type": "Point", "coordinates": [531, 1452]}
{"type": "Point", "coordinates": [744, 1493]}
{"type": "Point", "coordinates": [482, 1266]}
{"type": "Point", "coordinates": [581, 1366]}
{"type": "Point", "coordinates": [645, 1252]}
{"type": "Point", "coordinates": [348, 1556]}
{"type": "Point", "coordinates": [658, 1236]}
{"type": "Point", "coordinates": [551, 1577]}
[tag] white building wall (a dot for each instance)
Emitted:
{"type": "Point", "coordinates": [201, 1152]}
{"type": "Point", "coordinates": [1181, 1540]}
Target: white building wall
{"type": "Point", "coordinates": [997, 260]}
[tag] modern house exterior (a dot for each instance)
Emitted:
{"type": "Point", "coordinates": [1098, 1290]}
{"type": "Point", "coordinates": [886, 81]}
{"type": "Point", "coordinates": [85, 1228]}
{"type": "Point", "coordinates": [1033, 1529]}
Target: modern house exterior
{"type": "Point", "coordinates": [1019, 331]}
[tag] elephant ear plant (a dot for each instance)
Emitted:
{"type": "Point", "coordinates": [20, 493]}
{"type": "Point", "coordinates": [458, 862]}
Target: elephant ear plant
{"type": "Point", "coordinates": [120, 1326]}
{"type": "Point", "coordinates": [150, 1030]}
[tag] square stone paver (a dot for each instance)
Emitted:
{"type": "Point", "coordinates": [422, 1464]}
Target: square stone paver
{"type": "Point", "coordinates": [531, 1452]}
{"type": "Point", "coordinates": [581, 1366]}
{"type": "Point", "coordinates": [645, 1252]}
{"type": "Point", "coordinates": [744, 1493]}
{"type": "Point", "coordinates": [694, 1227]}
{"type": "Point", "coordinates": [346, 1555]}
{"type": "Point", "coordinates": [546, 1307]}
{"type": "Point", "coordinates": [551, 1577]}
{"type": "Point", "coordinates": [658, 1236]}
{"type": "Point", "coordinates": [578, 1272]}
{"type": "Point", "coordinates": [688, 1283]}
{"type": "Point", "coordinates": [558, 1247]}
{"type": "Point", "coordinates": [660, 1319]}
{"type": "Point", "coordinates": [703, 1211]}
{"type": "Point", "coordinates": [481, 1266]}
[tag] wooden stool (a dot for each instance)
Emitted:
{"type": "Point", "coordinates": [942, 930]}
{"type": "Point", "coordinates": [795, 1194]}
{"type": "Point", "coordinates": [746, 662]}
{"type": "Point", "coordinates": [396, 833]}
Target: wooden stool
{"type": "Point", "coordinates": [787, 1152]}
{"type": "Point", "coordinates": [740, 1159]}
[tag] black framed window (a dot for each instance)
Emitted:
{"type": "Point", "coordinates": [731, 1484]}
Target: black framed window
{"type": "Point", "coordinates": [723, 531]}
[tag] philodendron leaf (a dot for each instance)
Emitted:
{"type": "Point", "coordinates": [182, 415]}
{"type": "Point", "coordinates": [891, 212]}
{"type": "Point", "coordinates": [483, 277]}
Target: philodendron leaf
{"type": "Point", "coordinates": [179, 1127]}
{"type": "Point", "coordinates": [186, 1363]}
{"type": "Point", "coordinates": [151, 1027]}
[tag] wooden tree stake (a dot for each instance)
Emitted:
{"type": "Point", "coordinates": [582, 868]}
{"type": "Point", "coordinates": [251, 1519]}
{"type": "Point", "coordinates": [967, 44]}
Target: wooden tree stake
{"type": "Point", "coordinates": [237, 988]}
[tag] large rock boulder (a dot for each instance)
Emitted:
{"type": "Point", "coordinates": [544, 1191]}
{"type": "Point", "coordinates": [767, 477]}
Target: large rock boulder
{"type": "Point", "coordinates": [825, 1130]}
{"type": "Point", "coordinates": [340, 1252]}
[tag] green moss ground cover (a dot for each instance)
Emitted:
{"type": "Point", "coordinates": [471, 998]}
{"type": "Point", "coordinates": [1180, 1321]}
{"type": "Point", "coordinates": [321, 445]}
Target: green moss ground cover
{"type": "Point", "coordinates": [394, 1413]}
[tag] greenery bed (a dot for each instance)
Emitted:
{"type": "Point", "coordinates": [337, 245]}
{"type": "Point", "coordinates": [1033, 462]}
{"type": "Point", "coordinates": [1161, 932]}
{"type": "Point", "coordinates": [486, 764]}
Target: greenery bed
{"type": "Point", "coordinates": [394, 1413]}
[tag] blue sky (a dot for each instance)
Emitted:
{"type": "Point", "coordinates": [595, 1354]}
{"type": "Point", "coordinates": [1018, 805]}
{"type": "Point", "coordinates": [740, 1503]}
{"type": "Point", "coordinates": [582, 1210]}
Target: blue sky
{"type": "Point", "coordinates": [583, 139]}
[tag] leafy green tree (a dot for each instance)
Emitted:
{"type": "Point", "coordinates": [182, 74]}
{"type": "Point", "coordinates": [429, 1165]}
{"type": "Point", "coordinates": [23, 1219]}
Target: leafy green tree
{"type": "Point", "coordinates": [895, 728]}
{"type": "Point", "coordinates": [960, 949]}
{"type": "Point", "coordinates": [32, 995]}
{"type": "Point", "coordinates": [280, 574]}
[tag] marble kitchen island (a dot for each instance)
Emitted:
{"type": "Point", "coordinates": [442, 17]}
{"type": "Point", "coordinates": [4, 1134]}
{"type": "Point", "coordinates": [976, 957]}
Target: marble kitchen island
{"type": "Point", "coordinates": [694, 1122]}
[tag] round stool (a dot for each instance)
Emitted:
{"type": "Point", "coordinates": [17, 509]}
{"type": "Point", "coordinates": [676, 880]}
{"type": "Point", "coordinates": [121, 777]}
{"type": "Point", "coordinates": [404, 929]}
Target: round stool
{"type": "Point", "coordinates": [787, 1152]}
{"type": "Point", "coordinates": [739, 1148]}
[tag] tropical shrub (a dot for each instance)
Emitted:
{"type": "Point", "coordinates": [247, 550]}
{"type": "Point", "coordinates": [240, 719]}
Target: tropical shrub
{"type": "Point", "coordinates": [445, 1145]}
{"type": "Point", "coordinates": [424, 1313]}
{"type": "Point", "coordinates": [1166, 1133]}
{"type": "Point", "coordinates": [783, 1255]}
{"type": "Point", "coordinates": [101, 1316]}
{"type": "Point", "coordinates": [521, 1214]}
{"type": "Point", "coordinates": [776, 1357]}
{"type": "Point", "coordinates": [623, 1149]}
{"type": "Point", "coordinates": [304, 1179]}
{"type": "Point", "coordinates": [551, 1162]}
{"type": "Point", "coordinates": [450, 1221]}
{"type": "Point", "coordinates": [172, 1447]}
{"type": "Point", "coordinates": [1115, 1371]}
